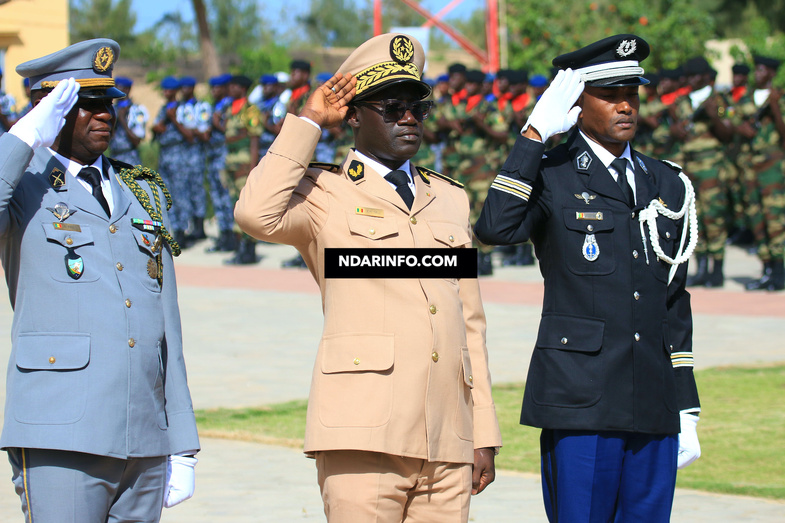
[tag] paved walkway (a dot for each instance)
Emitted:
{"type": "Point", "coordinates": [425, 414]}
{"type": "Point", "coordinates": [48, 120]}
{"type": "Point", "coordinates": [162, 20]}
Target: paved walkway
{"type": "Point", "coordinates": [251, 334]}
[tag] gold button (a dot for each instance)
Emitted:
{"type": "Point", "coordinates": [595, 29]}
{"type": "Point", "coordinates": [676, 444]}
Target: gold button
{"type": "Point", "coordinates": [128, 303]}
{"type": "Point", "coordinates": [119, 266]}
{"type": "Point", "coordinates": [671, 347]}
{"type": "Point", "coordinates": [371, 231]}
{"type": "Point", "coordinates": [471, 378]}
{"type": "Point", "coordinates": [435, 356]}
{"type": "Point", "coordinates": [637, 337]}
{"type": "Point", "coordinates": [356, 361]}
{"type": "Point", "coordinates": [564, 341]}
{"type": "Point", "coordinates": [667, 235]}
{"type": "Point", "coordinates": [413, 220]}
{"type": "Point", "coordinates": [590, 227]}
{"type": "Point", "coordinates": [69, 241]}
{"type": "Point", "coordinates": [131, 342]}
{"type": "Point", "coordinates": [633, 215]}
{"type": "Point", "coordinates": [636, 295]}
{"type": "Point", "coordinates": [112, 229]}
{"type": "Point", "coordinates": [51, 359]}
{"type": "Point", "coordinates": [452, 238]}
{"type": "Point", "coordinates": [433, 309]}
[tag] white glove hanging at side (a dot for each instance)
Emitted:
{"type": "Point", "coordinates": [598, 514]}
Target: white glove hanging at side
{"type": "Point", "coordinates": [40, 127]}
{"type": "Point", "coordinates": [180, 480]}
{"type": "Point", "coordinates": [554, 112]}
{"type": "Point", "coordinates": [689, 447]}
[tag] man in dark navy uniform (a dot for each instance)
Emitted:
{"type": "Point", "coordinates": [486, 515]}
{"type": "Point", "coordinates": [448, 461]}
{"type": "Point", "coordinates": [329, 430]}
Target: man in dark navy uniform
{"type": "Point", "coordinates": [611, 378]}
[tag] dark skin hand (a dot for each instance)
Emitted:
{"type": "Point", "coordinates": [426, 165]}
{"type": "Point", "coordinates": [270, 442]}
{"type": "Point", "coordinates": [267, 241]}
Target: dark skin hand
{"type": "Point", "coordinates": [327, 108]}
{"type": "Point", "coordinates": [484, 469]}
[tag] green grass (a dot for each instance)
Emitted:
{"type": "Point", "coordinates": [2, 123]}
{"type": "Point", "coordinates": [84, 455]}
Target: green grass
{"type": "Point", "coordinates": [742, 431]}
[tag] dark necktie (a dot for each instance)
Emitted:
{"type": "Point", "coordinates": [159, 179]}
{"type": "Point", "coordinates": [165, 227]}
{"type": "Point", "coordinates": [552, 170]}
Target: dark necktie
{"type": "Point", "coordinates": [93, 177]}
{"type": "Point", "coordinates": [401, 181]}
{"type": "Point", "coordinates": [620, 164]}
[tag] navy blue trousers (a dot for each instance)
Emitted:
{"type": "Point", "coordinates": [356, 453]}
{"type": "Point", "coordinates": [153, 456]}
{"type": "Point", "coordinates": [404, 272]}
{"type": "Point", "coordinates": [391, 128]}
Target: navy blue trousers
{"type": "Point", "coordinates": [608, 477]}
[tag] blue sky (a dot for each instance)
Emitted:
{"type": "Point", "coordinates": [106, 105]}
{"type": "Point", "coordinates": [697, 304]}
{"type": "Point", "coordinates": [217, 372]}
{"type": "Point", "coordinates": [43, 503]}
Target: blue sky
{"type": "Point", "coordinates": [150, 11]}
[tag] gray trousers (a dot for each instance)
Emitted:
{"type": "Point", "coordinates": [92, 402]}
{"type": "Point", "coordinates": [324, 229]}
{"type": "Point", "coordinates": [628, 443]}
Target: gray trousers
{"type": "Point", "coordinates": [58, 486]}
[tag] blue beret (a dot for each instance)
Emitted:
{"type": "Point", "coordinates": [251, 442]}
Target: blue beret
{"type": "Point", "coordinates": [268, 79]}
{"type": "Point", "coordinates": [89, 62]}
{"type": "Point", "coordinates": [123, 81]}
{"type": "Point", "coordinates": [221, 79]}
{"type": "Point", "coordinates": [323, 77]}
{"type": "Point", "coordinates": [170, 82]}
{"type": "Point", "coordinates": [443, 78]}
{"type": "Point", "coordinates": [538, 80]}
{"type": "Point", "coordinates": [25, 82]}
{"type": "Point", "coordinates": [187, 81]}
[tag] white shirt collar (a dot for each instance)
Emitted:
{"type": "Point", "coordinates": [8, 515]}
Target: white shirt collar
{"type": "Point", "coordinates": [384, 171]}
{"type": "Point", "coordinates": [603, 154]}
{"type": "Point", "coordinates": [73, 168]}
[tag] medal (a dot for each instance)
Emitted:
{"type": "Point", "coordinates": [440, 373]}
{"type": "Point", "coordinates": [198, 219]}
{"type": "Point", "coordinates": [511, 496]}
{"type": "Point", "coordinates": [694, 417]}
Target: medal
{"type": "Point", "coordinates": [591, 251]}
{"type": "Point", "coordinates": [152, 268]}
{"type": "Point", "coordinates": [74, 265]}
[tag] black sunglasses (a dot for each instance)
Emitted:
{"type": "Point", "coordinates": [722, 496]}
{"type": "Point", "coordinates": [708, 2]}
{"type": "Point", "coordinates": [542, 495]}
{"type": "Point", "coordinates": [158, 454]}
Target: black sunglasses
{"type": "Point", "coordinates": [394, 110]}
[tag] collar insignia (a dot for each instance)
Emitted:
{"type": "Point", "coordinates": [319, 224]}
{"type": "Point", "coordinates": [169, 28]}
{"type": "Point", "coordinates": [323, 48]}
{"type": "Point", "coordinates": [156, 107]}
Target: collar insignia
{"type": "Point", "coordinates": [583, 161]}
{"type": "Point", "coordinates": [586, 197]}
{"type": "Point", "coordinates": [356, 170]}
{"type": "Point", "coordinates": [626, 48]}
{"type": "Point", "coordinates": [57, 178]}
{"type": "Point", "coordinates": [640, 162]}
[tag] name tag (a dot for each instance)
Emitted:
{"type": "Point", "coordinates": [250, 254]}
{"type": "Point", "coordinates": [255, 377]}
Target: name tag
{"type": "Point", "coordinates": [588, 215]}
{"type": "Point", "coordinates": [67, 226]}
{"type": "Point", "coordinates": [368, 211]}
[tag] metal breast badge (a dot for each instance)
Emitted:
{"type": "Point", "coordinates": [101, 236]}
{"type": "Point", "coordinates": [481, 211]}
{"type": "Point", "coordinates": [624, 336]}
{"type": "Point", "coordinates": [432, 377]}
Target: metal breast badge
{"type": "Point", "coordinates": [61, 211]}
{"type": "Point", "coordinates": [591, 251]}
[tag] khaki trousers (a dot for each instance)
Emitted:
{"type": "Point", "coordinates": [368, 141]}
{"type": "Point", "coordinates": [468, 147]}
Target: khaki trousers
{"type": "Point", "coordinates": [373, 487]}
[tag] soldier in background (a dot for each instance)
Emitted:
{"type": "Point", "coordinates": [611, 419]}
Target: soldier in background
{"type": "Point", "coordinates": [457, 83]}
{"type": "Point", "coordinates": [215, 154]}
{"type": "Point", "coordinates": [243, 128]}
{"type": "Point", "coordinates": [26, 109]}
{"type": "Point", "coordinates": [195, 115]}
{"type": "Point", "coordinates": [700, 123]}
{"type": "Point", "coordinates": [130, 128]}
{"type": "Point", "coordinates": [741, 73]}
{"type": "Point", "coordinates": [764, 131]}
{"type": "Point", "coordinates": [7, 104]}
{"type": "Point", "coordinates": [172, 137]}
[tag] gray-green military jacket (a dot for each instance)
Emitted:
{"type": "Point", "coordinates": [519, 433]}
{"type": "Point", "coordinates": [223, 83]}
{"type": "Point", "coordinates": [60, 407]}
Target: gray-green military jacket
{"type": "Point", "coordinates": [96, 362]}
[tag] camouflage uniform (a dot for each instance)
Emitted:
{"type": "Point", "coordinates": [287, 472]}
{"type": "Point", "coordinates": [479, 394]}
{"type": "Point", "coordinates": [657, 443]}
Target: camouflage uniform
{"type": "Point", "coordinates": [215, 153]}
{"type": "Point", "coordinates": [120, 147]}
{"type": "Point", "coordinates": [238, 153]}
{"type": "Point", "coordinates": [654, 142]}
{"type": "Point", "coordinates": [171, 160]}
{"type": "Point", "coordinates": [764, 180]}
{"type": "Point", "coordinates": [704, 161]}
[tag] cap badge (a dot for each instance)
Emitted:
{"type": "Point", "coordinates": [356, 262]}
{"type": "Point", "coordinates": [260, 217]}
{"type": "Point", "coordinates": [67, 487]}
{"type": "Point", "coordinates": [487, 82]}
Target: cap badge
{"type": "Point", "coordinates": [401, 49]}
{"type": "Point", "coordinates": [626, 48]}
{"type": "Point", "coordinates": [103, 59]}
{"type": "Point", "coordinates": [584, 161]}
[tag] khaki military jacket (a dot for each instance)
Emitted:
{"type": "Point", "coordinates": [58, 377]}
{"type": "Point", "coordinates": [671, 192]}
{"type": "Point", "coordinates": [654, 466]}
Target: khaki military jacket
{"type": "Point", "coordinates": [402, 365]}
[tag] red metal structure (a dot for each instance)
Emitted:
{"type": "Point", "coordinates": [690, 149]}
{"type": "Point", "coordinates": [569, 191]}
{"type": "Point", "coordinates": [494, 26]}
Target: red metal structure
{"type": "Point", "coordinates": [489, 58]}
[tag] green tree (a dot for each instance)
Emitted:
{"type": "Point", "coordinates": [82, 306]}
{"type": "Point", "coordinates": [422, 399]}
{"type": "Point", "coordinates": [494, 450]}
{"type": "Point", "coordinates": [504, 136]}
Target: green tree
{"type": "Point", "coordinates": [102, 19]}
{"type": "Point", "coordinates": [337, 23]}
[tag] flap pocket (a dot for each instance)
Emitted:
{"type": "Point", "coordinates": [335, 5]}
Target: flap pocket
{"type": "Point", "coordinates": [53, 351]}
{"type": "Point", "coordinates": [588, 219]}
{"type": "Point", "coordinates": [357, 353]}
{"type": "Point", "coordinates": [145, 240]}
{"type": "Point", "coordinates": [370, 227]}
{"type": "Point", "coordinates": [67, 237]}
{"type": "Point", "coordinates": [450, 234]}
{"type": "Point", "coordinates": [570, 333]}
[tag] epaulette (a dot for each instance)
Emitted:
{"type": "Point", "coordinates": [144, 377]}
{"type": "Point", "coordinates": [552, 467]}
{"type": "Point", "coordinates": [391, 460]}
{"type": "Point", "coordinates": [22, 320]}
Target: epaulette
{"type": "Point", "coordinates": [118, 165]}
{"type": "Point", "coordinates": [331, 167]}
{"type": "Point", "coordinates": [426, 173]}
{"type": "Point", "coordinates": [675, 166]}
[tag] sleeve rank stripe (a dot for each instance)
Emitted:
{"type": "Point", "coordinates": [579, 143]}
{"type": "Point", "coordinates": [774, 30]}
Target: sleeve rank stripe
{"type": "Point", "coordinates": [513, 183]}
{"type": "Point", "coordinates": [513, 192]}
{"type": "Point", "coordinates": [682, 359]}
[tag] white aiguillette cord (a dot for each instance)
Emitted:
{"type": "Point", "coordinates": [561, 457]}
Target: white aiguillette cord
{"type": "Point", "coordinates": [649, 214]}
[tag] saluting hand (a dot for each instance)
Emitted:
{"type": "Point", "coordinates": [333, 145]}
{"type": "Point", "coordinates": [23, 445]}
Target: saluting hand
{"type": "Point", "coordinates": [328, 104]}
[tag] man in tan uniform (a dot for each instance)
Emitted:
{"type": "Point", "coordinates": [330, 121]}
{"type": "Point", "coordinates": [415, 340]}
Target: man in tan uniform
{"type": "Point", "coordinates": [400, 417]}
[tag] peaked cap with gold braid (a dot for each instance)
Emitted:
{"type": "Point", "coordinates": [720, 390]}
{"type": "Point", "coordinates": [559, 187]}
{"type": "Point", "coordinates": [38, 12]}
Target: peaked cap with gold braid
{"type": "Point", "coordinates": [89, 62]}
{"type": "Point", "coordinates": [385, 60]}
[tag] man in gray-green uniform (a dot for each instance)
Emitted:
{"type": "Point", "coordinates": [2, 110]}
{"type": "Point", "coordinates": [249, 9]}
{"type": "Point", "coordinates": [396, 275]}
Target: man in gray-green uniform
{"type": "Point", "coordinates": [762, 155]}
{"type": "Point", "coordinates": [700, 123]}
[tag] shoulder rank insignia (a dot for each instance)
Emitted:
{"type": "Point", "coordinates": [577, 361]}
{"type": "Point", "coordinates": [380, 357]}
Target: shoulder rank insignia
{"type": "Point", "coordinates": [586, 197]}
{"type": "Point", "coordinates": [330, 167]}
{"type": "Point", "coordinates": [675, 166]}
{"type": "Point", "coordinates": [57, 178]}
{"type": "Point", "coordinates": [356, 170]}
{"type": "Point", "coordinates": [426, 174]}
{"type": "Point", "coordinates": [583, 161]}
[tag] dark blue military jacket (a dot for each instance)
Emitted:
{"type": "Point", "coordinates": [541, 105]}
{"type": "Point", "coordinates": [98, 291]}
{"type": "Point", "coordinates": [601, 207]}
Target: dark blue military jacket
{"type": "Point", "coordinates": [614, 348]}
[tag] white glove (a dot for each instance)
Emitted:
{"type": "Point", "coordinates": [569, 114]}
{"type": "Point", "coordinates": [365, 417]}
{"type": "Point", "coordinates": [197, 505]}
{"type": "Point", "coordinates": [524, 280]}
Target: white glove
{"type": "Point", "coordinates": [554, 112]}
{"type": "Point", "coordinates": [689, 448]}
{"type": "Point", "coordinates": [40, 127]}
{"type": "Point", "coordinates": [180, 480]}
